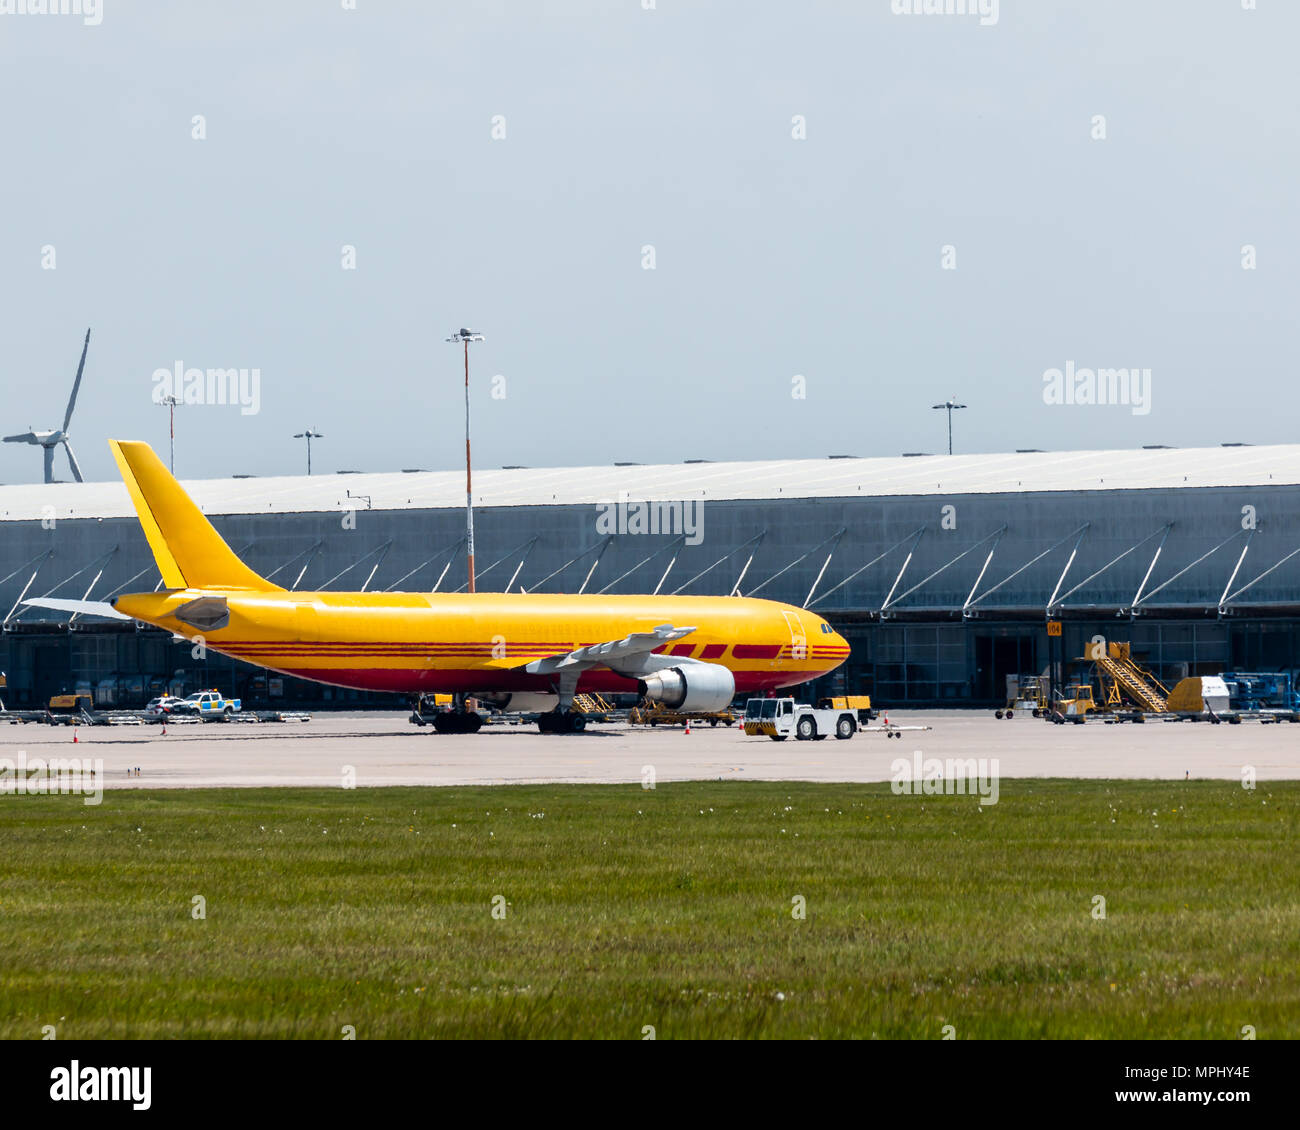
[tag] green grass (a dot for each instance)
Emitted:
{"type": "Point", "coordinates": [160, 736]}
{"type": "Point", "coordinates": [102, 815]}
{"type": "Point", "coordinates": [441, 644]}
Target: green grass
{"type": "Point", "coordinates": [670, 908]}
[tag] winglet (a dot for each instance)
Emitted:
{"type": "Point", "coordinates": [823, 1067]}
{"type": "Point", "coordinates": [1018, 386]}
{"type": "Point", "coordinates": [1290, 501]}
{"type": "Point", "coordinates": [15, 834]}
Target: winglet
{"type": "Point", "coordinates": [189, 552]}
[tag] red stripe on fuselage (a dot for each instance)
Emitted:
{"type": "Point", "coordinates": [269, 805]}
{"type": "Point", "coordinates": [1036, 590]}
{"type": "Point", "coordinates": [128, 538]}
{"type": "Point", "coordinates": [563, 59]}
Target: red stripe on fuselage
{"type": "Point", "coordinates": [598, 679]}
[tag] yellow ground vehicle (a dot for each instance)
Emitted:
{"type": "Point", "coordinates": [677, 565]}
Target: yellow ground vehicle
{"type": "Point", "coordinates": [657, 714]}
{"type": "Point", "coordinates": [861, 703]}
{"type": "Point", "coordinates": [1026, 694]}
{"type": "Point", "coordinates": [1123, 683]}
{"type": "Point", "coordinates": [68, 709]}
{"type": "Point", "coordinates": [1078, 701]}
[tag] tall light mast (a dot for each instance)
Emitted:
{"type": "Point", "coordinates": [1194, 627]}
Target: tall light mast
{"type": "Point", "coordinates": [309, 435]}
{"type": "Point", "coordinates": [170, 401]}
{"type": "Point", "coordinates": [949, 404]}
{"type": "Point", "coordinates": [466, 336]}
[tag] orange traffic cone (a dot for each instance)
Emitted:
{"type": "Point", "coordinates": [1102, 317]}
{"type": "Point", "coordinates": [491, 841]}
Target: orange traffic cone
{"type": "Point", "coordinates": [688, 727]}
{"type": "Point", "coordinates": [74, 735]}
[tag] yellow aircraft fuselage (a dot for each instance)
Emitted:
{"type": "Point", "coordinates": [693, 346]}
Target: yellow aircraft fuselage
{"type": "Point", "coordinates": [432, 642]}
{"type": "Point", "coordinates": [449, 642]}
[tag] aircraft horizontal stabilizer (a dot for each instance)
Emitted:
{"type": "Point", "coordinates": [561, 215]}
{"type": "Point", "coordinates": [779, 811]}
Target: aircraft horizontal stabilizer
{"type": "Point", "coordinates": [85, 607]}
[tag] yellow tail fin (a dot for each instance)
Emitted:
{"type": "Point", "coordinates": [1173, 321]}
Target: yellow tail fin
{"type": "Point", "coordinates": [189, 552]}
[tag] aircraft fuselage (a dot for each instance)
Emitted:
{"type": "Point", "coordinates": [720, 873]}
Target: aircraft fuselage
{"type": "Point", "coordinates": [464, 643]}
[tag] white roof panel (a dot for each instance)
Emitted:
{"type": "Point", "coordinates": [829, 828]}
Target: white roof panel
{"type": "Point", "coordinates": [1274, 465]}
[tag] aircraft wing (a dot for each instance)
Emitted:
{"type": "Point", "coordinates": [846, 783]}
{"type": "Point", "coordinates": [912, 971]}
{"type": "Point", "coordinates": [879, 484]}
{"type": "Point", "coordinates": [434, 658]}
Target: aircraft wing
{"type": "Point", "coordinates": [617, 654]}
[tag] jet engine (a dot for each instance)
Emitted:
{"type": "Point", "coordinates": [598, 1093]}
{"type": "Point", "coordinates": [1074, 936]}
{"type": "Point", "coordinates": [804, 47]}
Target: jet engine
{"type": "Point", "coordinates": [690, 686]}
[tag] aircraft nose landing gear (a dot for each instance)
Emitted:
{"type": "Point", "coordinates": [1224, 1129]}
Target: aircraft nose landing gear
{"type": "Point", "coordinates": [562, 722]}
{"type": "Point", "coordinates": [457, 722]}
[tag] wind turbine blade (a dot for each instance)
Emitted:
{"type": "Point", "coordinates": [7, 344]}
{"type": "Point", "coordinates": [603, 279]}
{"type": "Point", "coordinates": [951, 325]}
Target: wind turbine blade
{"type": "Point", "coordinates": [26, 437]}
{"type": "Point", "coordinates": [49, 464]}
{"type": "Point", "coordinates": [72, 462]}
{"type": "Point", "coordinates": [72, 400]}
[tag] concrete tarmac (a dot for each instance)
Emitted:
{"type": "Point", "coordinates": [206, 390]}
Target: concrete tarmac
{"type": "Point", "coordinates": [385, 749]}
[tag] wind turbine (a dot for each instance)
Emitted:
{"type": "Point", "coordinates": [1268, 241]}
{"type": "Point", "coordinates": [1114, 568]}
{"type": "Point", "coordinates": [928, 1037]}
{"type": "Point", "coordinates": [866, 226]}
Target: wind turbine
{"type": "Point", "coordinates": [50, 440]}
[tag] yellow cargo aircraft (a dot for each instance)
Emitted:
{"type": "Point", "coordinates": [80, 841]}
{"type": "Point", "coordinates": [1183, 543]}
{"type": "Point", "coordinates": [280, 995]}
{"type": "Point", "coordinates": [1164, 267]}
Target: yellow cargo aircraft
{"type": "Point", "coordinates": [516, 651]}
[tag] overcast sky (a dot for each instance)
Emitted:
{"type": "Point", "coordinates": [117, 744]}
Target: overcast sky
{"type": "Point", "coordinates": [774, 256]}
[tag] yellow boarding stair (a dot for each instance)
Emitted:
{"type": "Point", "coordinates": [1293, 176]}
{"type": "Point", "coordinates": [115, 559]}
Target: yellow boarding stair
{"type": "Point", "coordinates": [1142, 686]}
{"type": "Point", "coordinates": [591, 704]}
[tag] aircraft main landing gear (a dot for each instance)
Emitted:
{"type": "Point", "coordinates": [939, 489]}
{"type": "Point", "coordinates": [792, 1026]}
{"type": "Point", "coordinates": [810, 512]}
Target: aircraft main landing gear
{"type": "Point", "coordinates": [562, 722]}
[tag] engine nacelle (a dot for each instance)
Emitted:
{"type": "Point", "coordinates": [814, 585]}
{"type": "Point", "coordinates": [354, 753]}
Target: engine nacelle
{"type": "Point", "coordinates": [690, 686]}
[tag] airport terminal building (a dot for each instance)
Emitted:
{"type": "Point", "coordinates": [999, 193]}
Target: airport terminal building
{"type": "Point", "coordinates": [943, 572]}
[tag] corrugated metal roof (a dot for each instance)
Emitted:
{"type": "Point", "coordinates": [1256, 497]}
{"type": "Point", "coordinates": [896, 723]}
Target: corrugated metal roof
{"type": "Point", "coordinates": [1274, 465]}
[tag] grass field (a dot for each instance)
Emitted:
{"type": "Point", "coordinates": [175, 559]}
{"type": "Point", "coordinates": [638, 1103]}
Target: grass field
{"type": "Point", "coordinates": [671, 908]}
